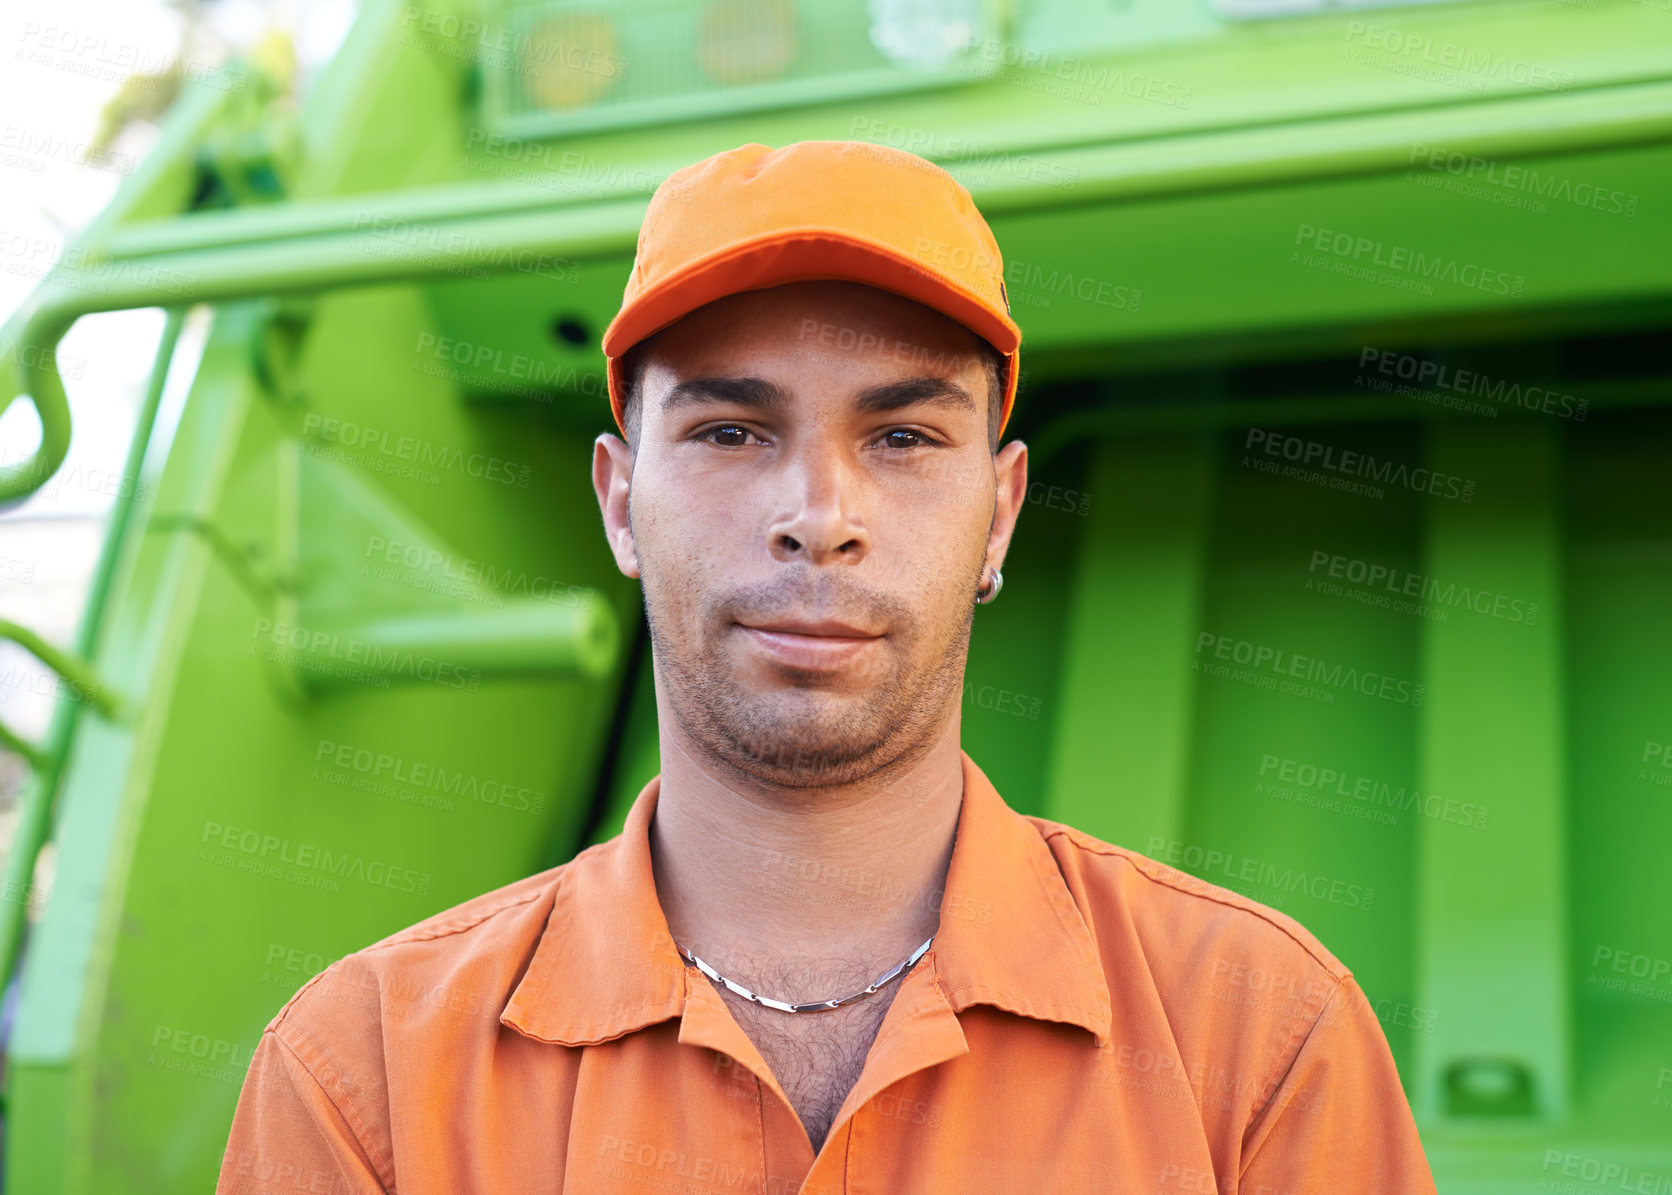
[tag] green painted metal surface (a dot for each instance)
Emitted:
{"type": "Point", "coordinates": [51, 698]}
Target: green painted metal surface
{"type": "Point", "coordinates": [1343, 580]}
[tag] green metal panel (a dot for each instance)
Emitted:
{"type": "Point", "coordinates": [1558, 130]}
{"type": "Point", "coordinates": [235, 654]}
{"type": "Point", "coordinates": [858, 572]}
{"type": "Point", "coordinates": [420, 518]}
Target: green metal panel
{"type": "Point", "coordinates": [1136, 600]}
{"type": "Point", "coordinates": [1493, 724]}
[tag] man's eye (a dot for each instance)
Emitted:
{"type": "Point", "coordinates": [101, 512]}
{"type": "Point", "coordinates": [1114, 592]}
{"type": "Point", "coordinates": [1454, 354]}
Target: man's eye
{"type": "Point", "coordinates": [914, 439]}
{"type": "Point", "coordinates": [738, 436]}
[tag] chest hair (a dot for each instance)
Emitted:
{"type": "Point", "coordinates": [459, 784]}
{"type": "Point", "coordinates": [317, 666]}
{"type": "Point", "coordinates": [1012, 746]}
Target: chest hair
{"type": "Point", "coordinates": [816, 1057]}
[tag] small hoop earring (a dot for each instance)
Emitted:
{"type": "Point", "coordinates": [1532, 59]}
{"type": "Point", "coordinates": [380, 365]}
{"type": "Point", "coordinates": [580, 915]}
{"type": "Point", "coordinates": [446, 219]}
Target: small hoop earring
{"type": "Point", "coordinates": [985, 595]}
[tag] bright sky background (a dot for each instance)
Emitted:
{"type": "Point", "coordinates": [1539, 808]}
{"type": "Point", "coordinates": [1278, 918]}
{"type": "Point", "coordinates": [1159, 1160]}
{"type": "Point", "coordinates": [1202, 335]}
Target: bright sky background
{"type": "Point", "coordinates": [50, 543]}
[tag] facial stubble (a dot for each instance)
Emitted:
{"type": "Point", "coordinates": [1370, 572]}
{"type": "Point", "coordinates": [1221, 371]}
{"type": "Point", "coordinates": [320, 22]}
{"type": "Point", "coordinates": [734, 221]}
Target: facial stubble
{"type": "Point", "coordinates": [805, 730]}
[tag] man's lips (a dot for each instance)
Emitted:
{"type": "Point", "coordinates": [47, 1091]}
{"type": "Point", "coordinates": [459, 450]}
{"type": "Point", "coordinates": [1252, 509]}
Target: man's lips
{"type": "Point", "coordinates": [828, 627]}
{"type": "Point", "coordinates": [822, 645]}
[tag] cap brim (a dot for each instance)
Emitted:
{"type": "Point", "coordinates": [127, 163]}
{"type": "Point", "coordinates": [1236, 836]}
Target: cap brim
{"type": "Point", "coordinates": [803, 255]}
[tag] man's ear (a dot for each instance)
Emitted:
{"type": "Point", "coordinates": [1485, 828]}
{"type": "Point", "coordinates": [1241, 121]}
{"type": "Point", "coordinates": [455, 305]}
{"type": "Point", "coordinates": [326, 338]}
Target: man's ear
{"type": "Point", "coordinates": [1010, 465]}
{"type": "Point", "coordinates": [612, 476]}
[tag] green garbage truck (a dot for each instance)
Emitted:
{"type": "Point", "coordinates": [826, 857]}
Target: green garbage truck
{"type": "Point", "coordinates": [1343, 580]}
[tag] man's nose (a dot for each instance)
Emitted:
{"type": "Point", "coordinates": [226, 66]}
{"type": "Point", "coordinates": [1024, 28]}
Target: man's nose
{"type": "Point", "coordinates": [819, 516]}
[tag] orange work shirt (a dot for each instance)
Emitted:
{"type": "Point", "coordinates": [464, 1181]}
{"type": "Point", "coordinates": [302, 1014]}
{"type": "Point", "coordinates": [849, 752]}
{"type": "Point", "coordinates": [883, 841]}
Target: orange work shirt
{"type": "Point", "coordinates": [1087, 1020]}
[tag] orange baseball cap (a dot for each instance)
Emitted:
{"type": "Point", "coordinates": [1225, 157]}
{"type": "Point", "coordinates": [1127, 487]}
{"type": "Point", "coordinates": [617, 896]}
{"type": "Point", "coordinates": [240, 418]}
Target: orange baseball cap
{"type": "Point", "coordinates": [754, 217]}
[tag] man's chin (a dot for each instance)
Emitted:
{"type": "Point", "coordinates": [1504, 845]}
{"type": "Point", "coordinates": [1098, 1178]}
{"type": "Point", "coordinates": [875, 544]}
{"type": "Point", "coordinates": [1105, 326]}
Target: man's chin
{"type": "Point", "coordinates": [803, 767]}
{"type": "Point", "coordinates": [805, 739]}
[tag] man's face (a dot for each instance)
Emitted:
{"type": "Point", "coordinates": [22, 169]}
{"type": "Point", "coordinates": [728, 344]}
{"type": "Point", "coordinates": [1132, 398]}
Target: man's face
{"type": "Point", "coordinates": [811, 509]}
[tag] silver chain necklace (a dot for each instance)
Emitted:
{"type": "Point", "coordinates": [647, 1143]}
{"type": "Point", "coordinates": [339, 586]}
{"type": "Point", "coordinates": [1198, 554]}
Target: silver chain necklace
{"type": "Point", "coordinates": [881, 981]}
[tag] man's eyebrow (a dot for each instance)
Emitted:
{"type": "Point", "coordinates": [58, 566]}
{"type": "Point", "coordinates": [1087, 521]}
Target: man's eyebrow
{"type": "Point", "coordinates": [891, 396]}
{"type": "Point", "coordinates": [762, 395]}
{"type": "Point", "coordinates": [757, 393]}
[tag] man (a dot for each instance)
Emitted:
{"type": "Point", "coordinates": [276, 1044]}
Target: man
{"type": "Point", "coordinates": [824, 955]}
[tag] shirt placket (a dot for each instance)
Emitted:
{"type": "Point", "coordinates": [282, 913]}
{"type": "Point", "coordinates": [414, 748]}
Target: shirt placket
{"type": "Point", "coordinates": [785, 1153]}
{"type": "Point", "coordinates": [920, 1030]}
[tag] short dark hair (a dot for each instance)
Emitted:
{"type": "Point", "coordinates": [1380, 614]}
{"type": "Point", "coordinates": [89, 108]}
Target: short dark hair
{"type": "Point", "coordinates": [633, 361]}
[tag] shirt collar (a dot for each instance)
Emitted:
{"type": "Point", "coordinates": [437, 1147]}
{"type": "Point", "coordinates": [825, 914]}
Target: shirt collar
{"type": "Point", "coordinates": [1010, 933]}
